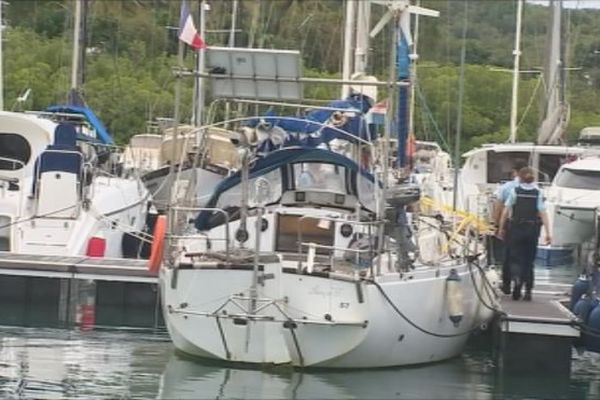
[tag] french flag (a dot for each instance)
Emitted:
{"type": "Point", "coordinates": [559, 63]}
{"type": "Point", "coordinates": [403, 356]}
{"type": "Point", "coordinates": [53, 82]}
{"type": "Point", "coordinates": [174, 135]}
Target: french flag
{"type": "Point", "coordinates": [187, 30]}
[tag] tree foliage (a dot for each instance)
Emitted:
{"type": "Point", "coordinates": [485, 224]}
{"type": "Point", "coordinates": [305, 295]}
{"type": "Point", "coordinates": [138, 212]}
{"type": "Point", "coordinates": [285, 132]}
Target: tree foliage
{"type": "Point", "coordinates": [131, 50]}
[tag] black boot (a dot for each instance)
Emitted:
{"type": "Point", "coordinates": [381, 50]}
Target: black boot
{"type": "Point", "coordinates": [516, 294]}
{"type": "Point", "coordinates": [506, 287]}
{"type": "Point", "coordinates": [527, 296]}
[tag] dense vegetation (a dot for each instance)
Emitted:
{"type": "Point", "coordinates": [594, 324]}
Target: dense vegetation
{"type": "Point", "coordinates": [130, 53]}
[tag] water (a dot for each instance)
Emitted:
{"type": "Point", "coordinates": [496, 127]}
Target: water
{"type": "Point", "coordinates": [56, 363]}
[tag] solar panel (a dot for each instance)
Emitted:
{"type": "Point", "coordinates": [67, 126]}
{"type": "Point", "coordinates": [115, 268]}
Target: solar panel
{"type": "Point", "coordinates": [260, 74]}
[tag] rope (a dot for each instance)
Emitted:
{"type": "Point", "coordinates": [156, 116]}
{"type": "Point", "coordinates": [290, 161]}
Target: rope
{"type": "Point", "coordinates": [412, 323]}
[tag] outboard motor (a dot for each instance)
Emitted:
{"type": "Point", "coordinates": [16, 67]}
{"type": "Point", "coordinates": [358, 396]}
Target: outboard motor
{"type": "Point", "coordinates": [397, 226]}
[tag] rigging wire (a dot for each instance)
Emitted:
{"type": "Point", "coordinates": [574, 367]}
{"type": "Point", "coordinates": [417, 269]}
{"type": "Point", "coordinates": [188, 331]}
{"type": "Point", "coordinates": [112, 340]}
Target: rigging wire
{"type": "Point", "coordinates": [427, 111]}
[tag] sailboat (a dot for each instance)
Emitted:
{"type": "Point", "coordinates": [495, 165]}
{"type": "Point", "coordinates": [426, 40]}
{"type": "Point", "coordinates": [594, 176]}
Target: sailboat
{"type": "Point", "coordinates": [294, 260]}
{"type": "Point", "coordinates": [61, 192]}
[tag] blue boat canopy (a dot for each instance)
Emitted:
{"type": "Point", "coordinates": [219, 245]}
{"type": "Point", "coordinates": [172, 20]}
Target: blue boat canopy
{"type": "Point", "coordinates": [282, 158]}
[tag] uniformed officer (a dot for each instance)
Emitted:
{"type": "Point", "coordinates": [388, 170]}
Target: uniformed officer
{"type": "Point", "coordinates": [501, 196]}
{"type": "Point", "coordinates": [527, 210]}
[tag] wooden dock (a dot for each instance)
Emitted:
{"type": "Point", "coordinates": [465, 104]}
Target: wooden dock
{"type": "Point", "coordinates": [80, 291]}
{"type": "Point", "coordinates": [538, 333]}
{"type": "Point", "coordinates": [107, 269]}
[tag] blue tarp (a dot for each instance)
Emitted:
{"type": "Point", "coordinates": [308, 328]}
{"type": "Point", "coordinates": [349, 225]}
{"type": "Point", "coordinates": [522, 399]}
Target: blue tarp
{"type": "Point", "coordinates": [276, 160]}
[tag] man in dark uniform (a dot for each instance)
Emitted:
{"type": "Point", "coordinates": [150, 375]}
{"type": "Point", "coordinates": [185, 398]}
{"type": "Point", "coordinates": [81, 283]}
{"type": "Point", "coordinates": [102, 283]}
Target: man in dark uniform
{"type": "Point", "coordinates": [527, 209]}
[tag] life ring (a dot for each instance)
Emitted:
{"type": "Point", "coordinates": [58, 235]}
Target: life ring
{"type": "Point", "coordinates": [156, 248]}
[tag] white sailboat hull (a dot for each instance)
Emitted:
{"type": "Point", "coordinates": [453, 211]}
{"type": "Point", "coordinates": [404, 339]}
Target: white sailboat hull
{"type": "Point", "coordinates": [320, 321]}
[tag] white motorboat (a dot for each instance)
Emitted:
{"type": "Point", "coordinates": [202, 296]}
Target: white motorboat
{"type": "Point", "coordinates": [61, 196]}
{"type": "Point", "coordinates": [486, 167]}
{"type": "Point", "coordinates": [572, 200]}
{"type": "Point", "coordinates": [201, 159]}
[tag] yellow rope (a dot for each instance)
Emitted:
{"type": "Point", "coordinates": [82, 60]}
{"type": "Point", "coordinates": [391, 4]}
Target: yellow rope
{"type": "Point", "coordinates": [466, 217]}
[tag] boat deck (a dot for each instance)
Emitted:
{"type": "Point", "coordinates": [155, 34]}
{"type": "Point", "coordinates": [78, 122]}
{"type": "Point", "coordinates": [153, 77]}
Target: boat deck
{"type": "Point", "coordinates": [79, 267]}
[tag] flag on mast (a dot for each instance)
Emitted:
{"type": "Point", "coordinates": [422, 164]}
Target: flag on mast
{"type": "Point", "coordinates": [187, 30]}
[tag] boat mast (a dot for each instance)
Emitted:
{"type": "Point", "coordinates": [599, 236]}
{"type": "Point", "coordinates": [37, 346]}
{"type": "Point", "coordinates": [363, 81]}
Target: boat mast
{"type": "Point", "coordinates": [200, 64]}
{"type": "Point", "coordinates": [413, 75]}
{"type": "Point", "coordinates": [361, 53]}
{"type": "Point", "coordinates": [551, 128]}
{"type": "Point", "coordinates": [234, 9]}
{"type": "Point", "coordinates": [515, 83]}
{"type": "Point", "coordinates": [76, 47]}
{"type": "Point", "coordinates": [348, 34]}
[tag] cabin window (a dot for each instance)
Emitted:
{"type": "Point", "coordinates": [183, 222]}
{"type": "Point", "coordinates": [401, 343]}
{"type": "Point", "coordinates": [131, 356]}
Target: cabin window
{"type": "Point", "coordinates": [500, 165]}
{"type": "Point", "coordinates": [319, 176]}
{"type": "Point", "coordinates": [15, 151]}
{"type": "Point", "coordinates": [578, 179]}
{"type": "Point", "coordinates": [314, 230]}
{"type": "Point", "coordinates": [264, 189]}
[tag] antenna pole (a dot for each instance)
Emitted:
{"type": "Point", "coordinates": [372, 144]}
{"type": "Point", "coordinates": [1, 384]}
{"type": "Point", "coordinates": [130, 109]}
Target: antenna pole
{"type": "Point", "coordinates": [515, 83]}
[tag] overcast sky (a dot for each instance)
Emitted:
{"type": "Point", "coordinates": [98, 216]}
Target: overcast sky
{"type": "Point", "coordinates": [573, 3]}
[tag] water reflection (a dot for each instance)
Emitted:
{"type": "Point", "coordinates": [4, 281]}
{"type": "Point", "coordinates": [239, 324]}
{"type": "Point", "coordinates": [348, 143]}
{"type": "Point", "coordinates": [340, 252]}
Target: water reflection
{"type": "Point", "coordinates": [54, 363]}
{"type": "Point", "coordinates": [188, 379]}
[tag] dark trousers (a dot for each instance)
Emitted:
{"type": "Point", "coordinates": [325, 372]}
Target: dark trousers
{"type": "Point", "coordinates": [523, 248]}
{"type": "Point", "coordinates": [506, 264]}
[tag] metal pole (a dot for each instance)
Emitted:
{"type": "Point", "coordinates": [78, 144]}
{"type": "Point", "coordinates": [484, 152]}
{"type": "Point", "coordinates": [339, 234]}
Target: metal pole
{"type": "Point", "coordinates": [184, 72]}
{"type": "Point", "coordinates": [348, 50]}
{"type": "Point", "coordinates": [76, 43]}
{"type": "Point", "coordinates": [515, 83]}
{"type": "Point", "coordinates": [1, 71]}
{"type": "Point", "coordinates": [461, 91]}
{"type": "Point", "coordinates": [175, 137]}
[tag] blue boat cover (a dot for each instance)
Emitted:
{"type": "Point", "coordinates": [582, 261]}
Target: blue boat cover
{"type": "Point", "coordinates": [274, 160]}
{"type": "Point", "coordinates": [89, 115]}
{"type": "Point", "coordinates": [308, 130]}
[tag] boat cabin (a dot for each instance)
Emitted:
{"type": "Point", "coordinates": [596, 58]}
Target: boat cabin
{"type": "Point", "coordinates": [490, 165]}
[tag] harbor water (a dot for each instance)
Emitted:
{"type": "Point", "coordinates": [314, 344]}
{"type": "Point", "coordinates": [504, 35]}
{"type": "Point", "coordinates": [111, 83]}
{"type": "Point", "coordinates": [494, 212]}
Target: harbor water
{"type": "Point", "coordinates": [42, 362]}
